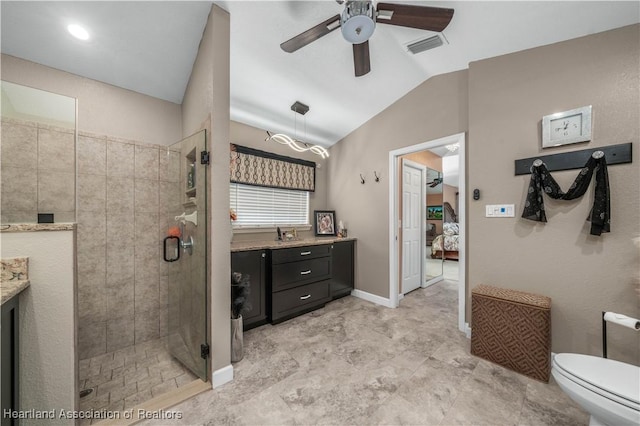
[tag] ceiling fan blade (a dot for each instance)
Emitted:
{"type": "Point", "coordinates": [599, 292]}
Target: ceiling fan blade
{"type": "Point", "coordinates": [361, 60]}
{"type": "Point", "coordinates": [312, 34]}
{"type": "Point", "coordinates": [421, 17]}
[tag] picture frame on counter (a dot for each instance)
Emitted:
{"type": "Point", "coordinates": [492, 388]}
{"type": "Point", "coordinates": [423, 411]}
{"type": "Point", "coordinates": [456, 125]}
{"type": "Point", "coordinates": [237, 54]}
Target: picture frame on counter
{"type": "Point", "coordinates": [325, 222]}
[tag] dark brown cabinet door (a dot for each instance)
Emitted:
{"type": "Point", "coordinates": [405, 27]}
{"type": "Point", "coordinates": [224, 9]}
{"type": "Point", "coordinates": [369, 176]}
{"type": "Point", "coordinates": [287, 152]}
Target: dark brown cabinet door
{"type": "Point", "coordinates": [343, 263]}
{"type": "Point", "coordinates": [10, 364]}
{"type": "Point", "coordinates": [253, 263]}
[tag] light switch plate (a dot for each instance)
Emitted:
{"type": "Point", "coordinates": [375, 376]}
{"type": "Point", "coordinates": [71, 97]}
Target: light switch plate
{"type": "Point", "coordinates": [500, 210]}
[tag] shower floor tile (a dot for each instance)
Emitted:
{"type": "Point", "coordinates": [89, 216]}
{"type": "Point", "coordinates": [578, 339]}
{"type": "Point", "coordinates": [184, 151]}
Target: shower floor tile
{"type": "Point", "coordinates": [127, 377]}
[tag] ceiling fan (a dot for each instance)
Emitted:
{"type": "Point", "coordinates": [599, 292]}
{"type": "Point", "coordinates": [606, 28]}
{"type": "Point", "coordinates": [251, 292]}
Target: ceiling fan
{"type": "Point", "coordinates": [358, 21]}
{"type": "Point", "coordinates": [435, 182]}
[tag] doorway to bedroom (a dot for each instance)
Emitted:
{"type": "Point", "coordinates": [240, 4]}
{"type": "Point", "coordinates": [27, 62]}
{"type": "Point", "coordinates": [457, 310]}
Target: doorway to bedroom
{"type": "Point", "coordinates": [441, 217]}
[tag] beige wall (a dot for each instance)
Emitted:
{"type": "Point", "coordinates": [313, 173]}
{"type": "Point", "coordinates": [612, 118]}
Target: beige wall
{"type": "Point", "coordinates": [102, 108]}
{"type": "Point", "coordinates": [48, 360]}
{"type": "Point", "coordinates": [253, 137]}
{"type": "Point", "coordinates": [583, 274]}
{"type": "Point", "coordinates": [501, 101]}
{"type": "Point", "coordinates": [436, 108]}
{"type": "Point", "coordinates": [206, 105]}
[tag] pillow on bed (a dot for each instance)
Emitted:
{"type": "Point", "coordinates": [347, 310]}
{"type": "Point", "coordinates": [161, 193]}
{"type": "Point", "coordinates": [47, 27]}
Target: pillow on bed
{"type": "Point", "coordinates": [450, 228]}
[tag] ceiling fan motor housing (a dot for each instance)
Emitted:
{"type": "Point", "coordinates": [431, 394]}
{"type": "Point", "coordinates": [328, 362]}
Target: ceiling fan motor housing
{"type": "Point", "coordinates": [358, 21]}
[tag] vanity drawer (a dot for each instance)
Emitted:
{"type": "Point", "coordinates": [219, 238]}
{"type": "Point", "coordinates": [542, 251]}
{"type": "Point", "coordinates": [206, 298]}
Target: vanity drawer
{"type": "Point", "coordinates": [299, 253]}
{"type": "Point", "coordinates": [289, 302]}
{"type": "Point", "coordinates": [287, 275]}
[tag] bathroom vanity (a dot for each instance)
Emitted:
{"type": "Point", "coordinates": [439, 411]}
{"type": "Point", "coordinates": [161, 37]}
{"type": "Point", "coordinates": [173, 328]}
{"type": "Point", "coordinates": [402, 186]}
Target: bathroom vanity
{"type": "Point", "coordinates": [294, 277]}
{"type": "Point", "coordinates": [300, 280]}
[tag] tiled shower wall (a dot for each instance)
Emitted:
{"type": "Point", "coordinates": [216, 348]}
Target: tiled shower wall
{"type": "Point", "coordinates": [38, 169]}
{"type": "Point", "coordinates": [126, 193]}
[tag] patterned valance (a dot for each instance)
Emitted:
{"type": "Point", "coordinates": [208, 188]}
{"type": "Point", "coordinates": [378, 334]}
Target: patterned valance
{"type": "Point", "coordinates": [260, 168]}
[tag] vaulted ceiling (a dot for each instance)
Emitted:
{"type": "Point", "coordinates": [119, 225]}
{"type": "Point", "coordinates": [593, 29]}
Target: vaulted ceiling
{"type": "Point", "coordinates": [150, 47]}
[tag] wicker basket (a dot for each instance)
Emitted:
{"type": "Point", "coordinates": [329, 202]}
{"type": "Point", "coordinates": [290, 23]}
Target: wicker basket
{"type": "Point", "coordinates": [513, 329]}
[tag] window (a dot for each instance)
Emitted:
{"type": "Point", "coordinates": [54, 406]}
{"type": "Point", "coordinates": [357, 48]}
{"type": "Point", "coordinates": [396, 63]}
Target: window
{"type": "Point", "coordinates": [258, 206]}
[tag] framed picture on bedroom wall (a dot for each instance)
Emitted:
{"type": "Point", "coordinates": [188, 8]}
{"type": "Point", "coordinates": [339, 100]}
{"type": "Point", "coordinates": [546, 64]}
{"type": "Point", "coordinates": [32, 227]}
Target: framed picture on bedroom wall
{"type": "Point", "coordinates": [434, 212]}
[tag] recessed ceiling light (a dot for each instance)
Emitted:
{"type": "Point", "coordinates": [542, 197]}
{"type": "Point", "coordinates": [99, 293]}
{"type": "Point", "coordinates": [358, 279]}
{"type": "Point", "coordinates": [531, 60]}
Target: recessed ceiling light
{"type": "Point", "coordinates": [78, 32]}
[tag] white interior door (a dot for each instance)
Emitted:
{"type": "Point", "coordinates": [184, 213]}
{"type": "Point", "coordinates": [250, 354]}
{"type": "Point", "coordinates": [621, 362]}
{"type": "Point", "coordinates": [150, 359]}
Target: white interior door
{"type": "Point", "coordinates": [413, 224]}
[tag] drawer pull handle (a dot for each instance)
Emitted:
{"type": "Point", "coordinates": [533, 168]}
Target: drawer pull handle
{"type": "Point", "coordinates": [305, 297]}
{"type": "Point", "coordinates": [305, 253]}
{"type": "Point", "coordinates": [305, 272]}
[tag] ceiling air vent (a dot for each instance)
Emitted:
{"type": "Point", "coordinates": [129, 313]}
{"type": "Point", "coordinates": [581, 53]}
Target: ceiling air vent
{"type": "Point", "coordinates": [425, 44]}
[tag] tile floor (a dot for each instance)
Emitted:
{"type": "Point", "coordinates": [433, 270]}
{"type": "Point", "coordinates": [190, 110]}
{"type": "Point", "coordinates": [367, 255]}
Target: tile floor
{"type": "Point", "coordinates": [355, 363]}
{"type": "Point", "coordinates": [130, 376]}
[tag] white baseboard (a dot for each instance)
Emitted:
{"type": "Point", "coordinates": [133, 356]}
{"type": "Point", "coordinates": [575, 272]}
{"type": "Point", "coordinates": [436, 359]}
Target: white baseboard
{"type": "Point", "coordinates": [467, 330]}
{"type": "Point", "coordinates": [378, 300]}
{"type": "Point", "coordinates": [222, 376]}
{"type": "Point", "coordinates": [400, 297]}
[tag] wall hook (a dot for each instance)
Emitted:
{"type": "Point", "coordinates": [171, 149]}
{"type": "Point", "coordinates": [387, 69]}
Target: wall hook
{"type": "Point", "coordinates": [361, 179]}
{"type": "Point", "coordinates": [376, 175]}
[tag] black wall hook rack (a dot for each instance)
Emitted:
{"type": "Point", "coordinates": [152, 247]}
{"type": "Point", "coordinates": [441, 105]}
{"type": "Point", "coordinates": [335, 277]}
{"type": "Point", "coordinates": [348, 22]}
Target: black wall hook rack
{"type": "Point", "coordinates": [615, 154]}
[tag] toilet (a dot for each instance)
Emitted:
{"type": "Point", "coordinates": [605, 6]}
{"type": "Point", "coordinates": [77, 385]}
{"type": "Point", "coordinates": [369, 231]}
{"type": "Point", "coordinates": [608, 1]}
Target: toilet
{"type": "Point", "coordinates": [608, 390]}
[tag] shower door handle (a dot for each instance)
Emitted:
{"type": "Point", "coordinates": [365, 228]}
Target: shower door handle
{"type": "Point", "coordinates": [177, 251]}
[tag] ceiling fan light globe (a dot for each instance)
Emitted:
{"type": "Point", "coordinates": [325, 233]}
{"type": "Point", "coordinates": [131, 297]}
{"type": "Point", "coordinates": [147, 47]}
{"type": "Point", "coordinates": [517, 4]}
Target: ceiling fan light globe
{"type": "Point", "coordinates": [357, 21]}
{"type": "Point", "coordinates": [358, 29]}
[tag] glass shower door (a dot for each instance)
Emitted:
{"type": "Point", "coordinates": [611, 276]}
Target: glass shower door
{"type": "Point", "coordinates": [185, 253]}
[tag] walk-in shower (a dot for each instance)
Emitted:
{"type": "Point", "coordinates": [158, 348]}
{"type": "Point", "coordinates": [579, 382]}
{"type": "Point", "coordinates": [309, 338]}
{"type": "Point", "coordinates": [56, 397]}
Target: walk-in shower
{"type": "Point", "coordinates": [141, 321]}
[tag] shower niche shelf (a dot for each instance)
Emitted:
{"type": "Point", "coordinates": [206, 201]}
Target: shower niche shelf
{"type": "Point", "coordinates": [190, 179]}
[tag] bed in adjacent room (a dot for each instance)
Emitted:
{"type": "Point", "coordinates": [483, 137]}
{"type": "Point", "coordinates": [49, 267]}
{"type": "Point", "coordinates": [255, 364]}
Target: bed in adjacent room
{"type": "Point", "coordinates": [445, 245]}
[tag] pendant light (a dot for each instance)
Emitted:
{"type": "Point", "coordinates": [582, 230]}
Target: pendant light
{"type": "Point", "coordinates": [295, 144]}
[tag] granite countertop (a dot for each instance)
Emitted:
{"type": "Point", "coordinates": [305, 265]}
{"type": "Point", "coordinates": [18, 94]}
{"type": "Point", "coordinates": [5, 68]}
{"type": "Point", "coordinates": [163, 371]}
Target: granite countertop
{"type": "Point", "coordinates": [9, 289]}
{"type": "Point", "coordinates": [14, 277]}
{"type": "Point", "coordinates": [34, 227]}
{"type": "Point", "coordinates": [260, 245]}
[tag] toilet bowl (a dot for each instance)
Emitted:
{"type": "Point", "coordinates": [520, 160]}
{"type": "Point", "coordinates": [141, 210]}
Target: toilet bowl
{"type": "Point", "coordinates": [608, 390]}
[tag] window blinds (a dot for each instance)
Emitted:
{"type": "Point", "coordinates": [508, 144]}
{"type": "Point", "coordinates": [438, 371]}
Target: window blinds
{"type": "Point", "coordinates": [268, 207]}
